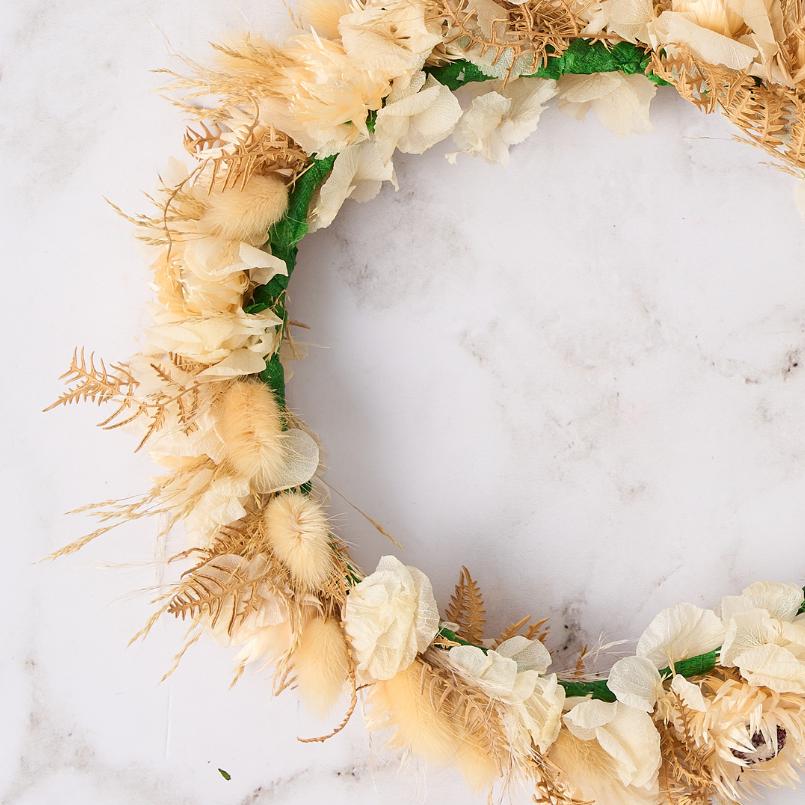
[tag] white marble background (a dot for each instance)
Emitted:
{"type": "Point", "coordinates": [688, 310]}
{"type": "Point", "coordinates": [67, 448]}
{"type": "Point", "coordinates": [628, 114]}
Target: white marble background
{"type": "Point", "coordinates": [582, 375]}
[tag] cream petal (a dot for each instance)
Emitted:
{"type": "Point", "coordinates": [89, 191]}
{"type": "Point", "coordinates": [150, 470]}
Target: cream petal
{"type": "Point", "coordinates": [690, 693]}
{"type": "Point", "coordinates": [588, 716]}
{"type": "Point", "coordinates": [628, 18]}
{"type": "Point", "coordinates": [746, 630]}
{"type": "Point", "coordinates": [621, 102]}
{"type": "Point", "coordinates": [680, 632]}
{"type": "Point", "coordinates": [239, 363]}
{"type": "Point", "coordinates": [773, 667]}
{"type": "Point", "coordinates": [636, 682]}
{"type": "Point", "coordinates": [302, 461]}
{"type": "Point", "coordinates": [530, 655]}
{"type": "Point", "coordinates": [627, 735]}
{"type": "Point", "coordinates": [674, 28]}
{"type": "Point", "coordinates": [779, 600]}
{"type": "Point", "coordinates": [632, 740]}
{"type": "Point", "coordinates": [542, 711]}
{"type": "Point", "coordinates": [358, 173]}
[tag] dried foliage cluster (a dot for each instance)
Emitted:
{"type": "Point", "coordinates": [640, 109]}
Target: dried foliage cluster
{"type": "Point", "coordinates": [771, 116]}
{"type": "Point", "coordinates": [508, 37]}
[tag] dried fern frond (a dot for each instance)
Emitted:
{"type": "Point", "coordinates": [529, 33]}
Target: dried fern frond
{"type": "Point", "coordinates": [770, 116]}
{"type": "Point", "coordinates": [229, 154]}
{"type": "Point", "coordinates": [466, 608]}
{"type": "Point", "coordinates": [88, 379]}
{"type": "Point", "coordinates": [226, 588]}
{"type": "Point", "coordinates": [686, 773]}
{"type": "Point", "coordinates": [538, 630]}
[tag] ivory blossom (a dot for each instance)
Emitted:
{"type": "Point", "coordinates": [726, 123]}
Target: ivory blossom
{"type": "Point", "coordinates": [390, 617]}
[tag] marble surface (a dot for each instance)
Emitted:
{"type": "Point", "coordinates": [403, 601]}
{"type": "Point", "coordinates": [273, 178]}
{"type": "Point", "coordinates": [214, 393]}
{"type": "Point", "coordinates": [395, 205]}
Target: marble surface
{"type": "Point", "coordinates": [582, 375]}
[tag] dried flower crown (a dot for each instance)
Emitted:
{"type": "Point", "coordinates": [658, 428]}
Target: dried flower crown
{"type": "Point", "coordinates": [712, 704]}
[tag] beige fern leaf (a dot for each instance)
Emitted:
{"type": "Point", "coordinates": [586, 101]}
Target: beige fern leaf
{"type": "Point", "coordinates": [538, 630]}
{"type": "Point", "coordinates": [88, 379]}
{"type": "Point", "coordinates": [226, 588]}
{"type": "Point", "coordinates": [467, 608]}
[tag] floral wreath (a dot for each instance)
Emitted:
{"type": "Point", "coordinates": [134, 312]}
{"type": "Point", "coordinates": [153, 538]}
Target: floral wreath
{"type": "Point", "coordinates": [712, 704]}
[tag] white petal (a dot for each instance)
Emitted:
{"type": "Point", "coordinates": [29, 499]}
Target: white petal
{"type": "Point", "coordinates": [628, 18]}
{"type": "Point", "coordinates": [680, 632]}
{"type": "Point", "coordinates": [690, 694]}
{"type": "Point", "coordinates": [302, 460]}
{"type": "Point", "coordinates": [675, 28]}
{"type": "Point", "coordinates": [588, 716]}
{"type": "Point", "coordinates": [636, 682]}
{"type": "Point", "coordinates": [779, 600]}
{"type": "Point", "coordinates": [238, 363]}
{"type": "Point", "coordinates": [773, 667]}
{"type": "Point", "coordinates": [745, 630]}
{"type": "Point", "coordinates": [530, 655]}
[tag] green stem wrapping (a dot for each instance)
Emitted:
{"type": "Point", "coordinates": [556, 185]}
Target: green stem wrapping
{"type": "Point", "coordinates": [283, 238]}
{"type": "Point", "coordinates": [582, 57]}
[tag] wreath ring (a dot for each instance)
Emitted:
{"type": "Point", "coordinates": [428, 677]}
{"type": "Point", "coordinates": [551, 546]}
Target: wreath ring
{"type": "Point", "coordinates": [712, 704]}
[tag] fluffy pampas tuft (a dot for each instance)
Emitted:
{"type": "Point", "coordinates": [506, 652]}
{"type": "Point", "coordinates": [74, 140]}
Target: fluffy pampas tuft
{"type": "Point", "coordinates": [300, 537]}
{"type": "Point", "coordinates": [321, 663]}
{"type": "Point", "coordinates": [413, 706]}
{"type": "Point", "coordinates": [246, 213]}
{"type": "Point", "coordinates": [250, 424]}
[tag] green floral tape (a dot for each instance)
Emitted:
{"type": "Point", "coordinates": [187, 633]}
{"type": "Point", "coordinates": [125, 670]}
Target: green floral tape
{"type": "Point", "coordinates": [583, 57]}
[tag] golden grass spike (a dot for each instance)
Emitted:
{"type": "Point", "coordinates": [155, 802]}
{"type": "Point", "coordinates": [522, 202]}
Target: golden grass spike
{"type": "Point", "coordinates": [467, 608]}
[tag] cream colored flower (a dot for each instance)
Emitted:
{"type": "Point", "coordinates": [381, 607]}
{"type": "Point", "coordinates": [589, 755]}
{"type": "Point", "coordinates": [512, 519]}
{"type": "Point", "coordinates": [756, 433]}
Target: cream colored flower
{"type": "Point", "coordinates": [215, 273]}
{"type": "Point", "coordinates": [494, 673]}
{"type": "Point", "coordinates": [765, 636]}
{"type": "Point", "coordinates": [612, 753]}
{"type": "Point", "coordinates": [620, 101]}
{"type": "Point", "coordinates": [781, 601]}
{"type": "Point", "coordinates": [541, 713]}
{"type": "Point", "coordinates": [513, 674]}
{"type": "Point", "coordinates": [390, 617]}
{"type": "Point", "coordinates": [358, 173]}
{"type": "Point", "coordinates": [715, 15]}
{"type": "Point", "coordinates": [321, 95]}
{"type": "Point", "coordinates": [388, 39]}
{"type": "Point", "coordinates": [637, 683]}
{"type": "Point", "coordinates": [221, 504]}
{"type": "Point", "coordinates": [418, 113]}
{"type": "Point", "coordinates": [676, 28]}
{"type": "Point", "coordinates": [626, 18]}
{"type": "Point", "coordinates": [230, 344]}
{"type": "Point", "coordinates": [680, 632]}
{"type": "Point", "coordinates": [499, 119]}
